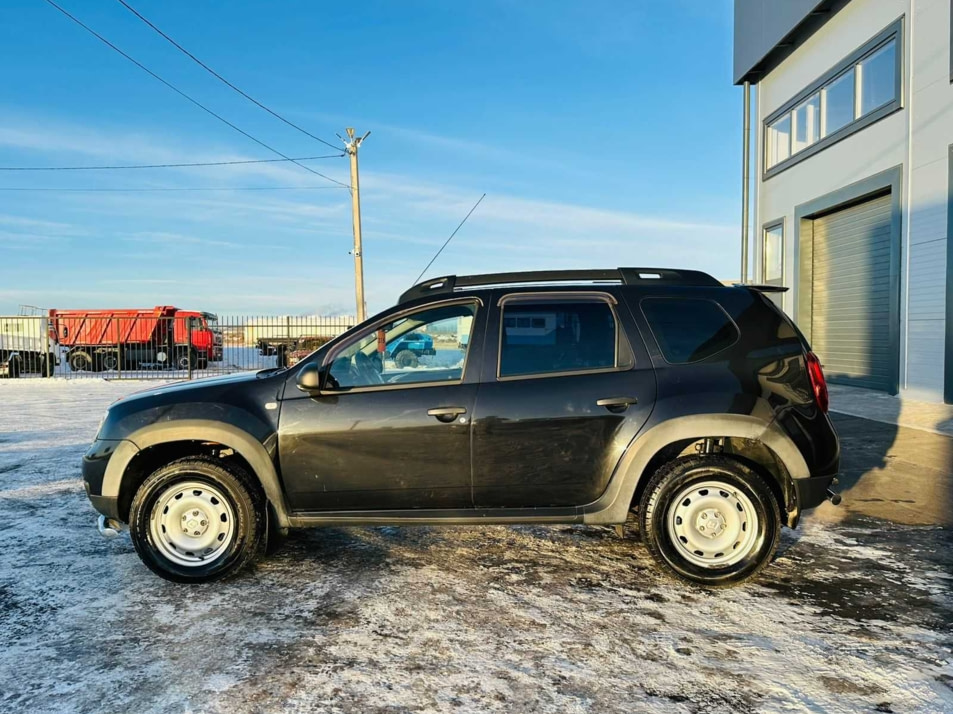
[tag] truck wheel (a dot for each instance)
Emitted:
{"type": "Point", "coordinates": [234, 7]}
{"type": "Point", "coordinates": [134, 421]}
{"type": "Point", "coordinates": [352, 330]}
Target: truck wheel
{"type": "Point", "coordinates": [80, 362]}
{"type": "Point", "coordinates": [183, 358]}
{"type": "Point", "coordinates": [201, 363]}
{"type": "Point", "coordinates": [406, 358]}
{"type": "Point", "coordinates": [13, 368]}
{"type": "Point", "coordinates": [710, 520]}
{"type": "Point", "coordinates": [195, 521]}
{"type": "Point", "coordinates": [110, 362]}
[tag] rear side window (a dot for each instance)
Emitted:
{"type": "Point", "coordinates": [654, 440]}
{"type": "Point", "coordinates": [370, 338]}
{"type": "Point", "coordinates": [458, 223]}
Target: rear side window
{"type": "Point", "coordinates": [546, 336]}
{"type": "Point", "coordinates": [688, 329]}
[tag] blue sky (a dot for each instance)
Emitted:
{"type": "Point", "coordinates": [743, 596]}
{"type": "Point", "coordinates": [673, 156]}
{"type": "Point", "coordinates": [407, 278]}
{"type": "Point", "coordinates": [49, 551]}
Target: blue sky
{"type": "Point", "coordinates": [603, 133]}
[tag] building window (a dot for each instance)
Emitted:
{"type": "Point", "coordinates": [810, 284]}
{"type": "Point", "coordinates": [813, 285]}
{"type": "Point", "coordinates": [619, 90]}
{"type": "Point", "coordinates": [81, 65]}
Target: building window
{"type": "Point", "coordinates": [861, 89]}
{"type": "Point", "coordinates": [807, 123]}
{"type": "Point", "coordinates": [839, 102]}
{"type": "Point", "coordinates": [772, 263]}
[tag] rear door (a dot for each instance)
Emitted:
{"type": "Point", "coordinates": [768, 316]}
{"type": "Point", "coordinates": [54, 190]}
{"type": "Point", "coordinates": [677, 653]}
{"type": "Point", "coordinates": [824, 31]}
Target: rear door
{"type": "Point", "coordinates": [566, 386]}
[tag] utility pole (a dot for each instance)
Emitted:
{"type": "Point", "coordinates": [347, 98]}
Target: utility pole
{"type": "Point", "coordinates": [351, 145]}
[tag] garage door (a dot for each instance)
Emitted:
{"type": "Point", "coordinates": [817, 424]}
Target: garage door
{"type": "Point", "coordinates": [852, 296]}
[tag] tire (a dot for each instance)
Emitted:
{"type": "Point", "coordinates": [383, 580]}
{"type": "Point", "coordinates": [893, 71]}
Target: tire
{"type": "Point", "coordinates": [80, 361]}
{"type": "Point", "coordinates": [406, 358]}
{"type": "Point", "coordinates": [109, 362]}
{"type": "Point", "coordinates": [689, 499]}
{"type": "Point", "coordinates": [222, 505]}
{"type": "Point", "coordinates": [201, 363]}
{"type": "Point", "coordinates": [13, 368]}
{"type": "Point", "coordinates": [184, 358]}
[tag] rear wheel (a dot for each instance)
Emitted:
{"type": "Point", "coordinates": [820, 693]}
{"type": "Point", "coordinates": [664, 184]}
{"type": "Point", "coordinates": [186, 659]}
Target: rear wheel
{"type": "Point", "coordinates": [195, 521]}
{"type": "Point", "coordinates": [405, 359]}
{"type": "Point", "coordinates": [711, 520]}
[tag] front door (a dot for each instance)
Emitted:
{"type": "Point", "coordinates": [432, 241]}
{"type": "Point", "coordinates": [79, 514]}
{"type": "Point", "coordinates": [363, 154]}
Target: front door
{"type": "Point", "coordinates": [387, 433]}
{"type": "Point", "coordinates": [564, 392]}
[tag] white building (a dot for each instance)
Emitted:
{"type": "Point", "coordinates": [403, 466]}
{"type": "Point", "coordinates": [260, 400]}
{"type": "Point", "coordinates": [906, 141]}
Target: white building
{"type": "Point", "coordinates": [853, 117]}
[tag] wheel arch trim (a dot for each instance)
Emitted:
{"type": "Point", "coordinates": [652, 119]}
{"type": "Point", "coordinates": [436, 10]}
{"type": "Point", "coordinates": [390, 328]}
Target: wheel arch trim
{"type": "Point", "coordinates": [243, 443]}
{"type": "Point", "coordinates": [613, 506]}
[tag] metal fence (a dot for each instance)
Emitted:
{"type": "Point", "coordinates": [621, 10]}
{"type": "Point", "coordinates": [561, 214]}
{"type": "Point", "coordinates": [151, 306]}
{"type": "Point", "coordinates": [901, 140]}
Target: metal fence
{"type": "Point", "coordinates": [156, 344]}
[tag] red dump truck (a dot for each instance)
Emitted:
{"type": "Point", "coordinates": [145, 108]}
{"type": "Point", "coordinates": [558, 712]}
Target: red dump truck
{"type": "Point", "coordinates": [162, 337]}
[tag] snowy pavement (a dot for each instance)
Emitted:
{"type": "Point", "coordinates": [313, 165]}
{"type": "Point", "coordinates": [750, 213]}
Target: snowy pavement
{"type": "Point", "coordinates": [853, 616]}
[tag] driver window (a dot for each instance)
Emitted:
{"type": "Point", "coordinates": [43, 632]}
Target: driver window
{"type": "Point", "coordinates": [426, 346]}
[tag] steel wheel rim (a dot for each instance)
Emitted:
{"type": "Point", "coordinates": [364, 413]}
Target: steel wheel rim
{"type": "Point", "coordinates": [192, 524]}
{"type": "Point", "coordinates": [713, 524]}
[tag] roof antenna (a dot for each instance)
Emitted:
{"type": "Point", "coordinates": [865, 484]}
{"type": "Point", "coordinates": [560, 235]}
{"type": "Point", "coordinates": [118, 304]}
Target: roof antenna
{"type": "Point", "coordinates": [437, 254]}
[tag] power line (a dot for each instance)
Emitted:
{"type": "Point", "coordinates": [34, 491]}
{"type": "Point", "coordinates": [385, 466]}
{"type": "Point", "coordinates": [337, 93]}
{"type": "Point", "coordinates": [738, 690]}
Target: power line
{"type": "Point", "coordinates": [447, 242]}
{"type": "Point", "coordinates": [177, 188]}
{"type": "Point", "coordinates": [164, 166]}
{"type": "Point", "coordinates": [219, 77]}
{"type": "Point", "coordinates": [186, 96]}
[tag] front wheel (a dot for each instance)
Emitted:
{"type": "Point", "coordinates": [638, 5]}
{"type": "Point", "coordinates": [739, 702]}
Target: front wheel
{"type": "Point", "coordinates": [710, 520]}
{"type": "Point", "coordinates": [194, 521]}
{"type": "Point", "coordinates": [80, 361]}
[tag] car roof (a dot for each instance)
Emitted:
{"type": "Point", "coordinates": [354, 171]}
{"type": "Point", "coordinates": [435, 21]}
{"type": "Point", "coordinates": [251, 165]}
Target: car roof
{"type": "Point", "coordinates": [449, 284]}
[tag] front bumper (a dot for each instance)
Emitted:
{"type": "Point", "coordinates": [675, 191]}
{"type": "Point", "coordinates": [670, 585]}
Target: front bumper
{"type": "Point", "coordinates": [95, 463]}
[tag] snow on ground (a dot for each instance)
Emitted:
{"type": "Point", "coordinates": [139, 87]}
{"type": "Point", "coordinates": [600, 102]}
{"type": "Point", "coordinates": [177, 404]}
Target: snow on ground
{"type": "Point", "coordinates": [851, 617]}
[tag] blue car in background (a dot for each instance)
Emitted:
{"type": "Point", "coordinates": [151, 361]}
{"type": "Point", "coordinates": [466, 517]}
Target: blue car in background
{"type": "Point", "coordinates": [407, 350]}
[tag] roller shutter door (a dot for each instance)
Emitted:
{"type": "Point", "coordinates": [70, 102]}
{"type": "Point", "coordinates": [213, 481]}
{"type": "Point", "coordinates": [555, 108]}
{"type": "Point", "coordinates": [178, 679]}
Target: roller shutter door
{"type": "Point", "coordinates": [852, 295]}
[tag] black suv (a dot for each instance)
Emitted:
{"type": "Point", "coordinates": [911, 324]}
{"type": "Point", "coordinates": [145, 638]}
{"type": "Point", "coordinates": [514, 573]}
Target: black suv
{"type": "Point", "coordinates": [554, 397]}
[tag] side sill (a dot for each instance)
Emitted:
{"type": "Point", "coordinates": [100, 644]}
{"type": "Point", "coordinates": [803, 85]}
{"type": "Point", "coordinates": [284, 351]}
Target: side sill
{"type": "Point", "coordinates": [436, 517]}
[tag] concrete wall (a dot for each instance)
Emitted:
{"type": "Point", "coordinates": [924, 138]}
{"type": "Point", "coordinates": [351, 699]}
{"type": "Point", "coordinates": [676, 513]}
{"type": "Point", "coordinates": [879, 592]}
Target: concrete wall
{"type": "Point", "coordinates": [927, 116]}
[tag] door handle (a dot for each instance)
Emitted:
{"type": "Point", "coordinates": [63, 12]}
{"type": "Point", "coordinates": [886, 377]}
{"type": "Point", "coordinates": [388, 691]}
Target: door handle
{"type": "Point", "coordinates": [617, 404]}
{"type": "Point", "coordinates": [446, 414]}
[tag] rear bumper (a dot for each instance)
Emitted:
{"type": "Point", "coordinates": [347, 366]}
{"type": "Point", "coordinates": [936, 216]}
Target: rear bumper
{"type": "Point", "coordinates": [812, 492]}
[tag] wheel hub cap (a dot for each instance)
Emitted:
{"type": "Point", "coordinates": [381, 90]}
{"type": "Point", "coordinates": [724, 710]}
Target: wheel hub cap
{"type": "Point", "coordinates": [192, 523]}
{"type": "Point", "coordinates": [195, 523]}
{"type": "Point", "coordinates": [712, 524]}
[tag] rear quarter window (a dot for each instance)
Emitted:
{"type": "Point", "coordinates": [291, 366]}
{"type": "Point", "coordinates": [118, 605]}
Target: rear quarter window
{"type": "Point", "coordinates": [689, 329]}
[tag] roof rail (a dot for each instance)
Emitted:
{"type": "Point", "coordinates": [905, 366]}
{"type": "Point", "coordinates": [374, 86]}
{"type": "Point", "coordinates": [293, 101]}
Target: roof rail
{"type": "Point", "coordinates": [626, 276]}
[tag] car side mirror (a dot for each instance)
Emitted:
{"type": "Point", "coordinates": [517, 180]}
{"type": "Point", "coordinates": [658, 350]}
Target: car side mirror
{"type": "Point", "coordinates": [309, 378]}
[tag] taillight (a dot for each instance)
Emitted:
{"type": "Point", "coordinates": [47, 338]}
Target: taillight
{"type": "Point", "coordinates": [818, 383]}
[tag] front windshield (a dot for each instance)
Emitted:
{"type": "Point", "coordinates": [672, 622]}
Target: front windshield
{"type": "Point", "coordinates": [426, 346]}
